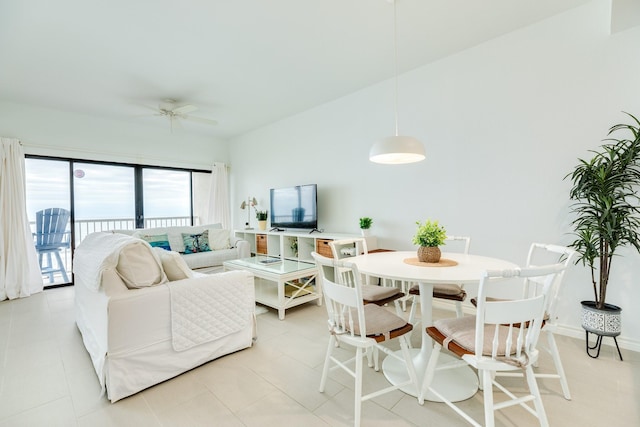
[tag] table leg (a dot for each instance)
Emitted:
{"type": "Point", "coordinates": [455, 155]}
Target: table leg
{"type": "Point", "coordinates": [455, 384]}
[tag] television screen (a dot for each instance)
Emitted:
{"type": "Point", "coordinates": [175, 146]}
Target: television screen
{"type": "Point", "coordinates": [294, 207]}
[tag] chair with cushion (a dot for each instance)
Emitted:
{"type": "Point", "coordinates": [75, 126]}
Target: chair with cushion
{"type": "Point", "coordinates": [51, 237]}
{"type": "Point", "coordinates": [542, 254]}
{"type": "Point", "coordinates": [502, 336]}
{"type": "Point", "coordinates": [448, 291]}
{"type": "Point", "coordinates": [372, 294]}
{"type": "Point", "coordinates": [358, 325]}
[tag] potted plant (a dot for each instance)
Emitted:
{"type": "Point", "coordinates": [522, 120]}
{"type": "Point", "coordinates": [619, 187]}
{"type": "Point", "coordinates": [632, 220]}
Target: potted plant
{"type": "Point", "coordinates": [605, 205]}
{"type": "Point", "coordinates": [429, 236]}
{"type": "Point", "coordinates": [365, 225]}
{"type": "Point", "coordinates": [261, 216]}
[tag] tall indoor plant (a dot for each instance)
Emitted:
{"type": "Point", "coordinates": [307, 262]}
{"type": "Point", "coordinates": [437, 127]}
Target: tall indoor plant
{"type": "Point", "coordinates": [607, 216]}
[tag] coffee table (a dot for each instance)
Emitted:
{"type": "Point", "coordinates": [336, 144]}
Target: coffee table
{"type": "Point", "coordinates": [282, 283]}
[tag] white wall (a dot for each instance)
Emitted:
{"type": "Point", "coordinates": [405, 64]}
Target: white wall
{"type": "Point", "coordinates": [502, 123]}
{"type": "Point", "coordinates": [56, 133]}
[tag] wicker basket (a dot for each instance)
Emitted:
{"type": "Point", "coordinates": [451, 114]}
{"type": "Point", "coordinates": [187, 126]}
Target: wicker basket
{"type": "Point", "coordinates": [429, 254]}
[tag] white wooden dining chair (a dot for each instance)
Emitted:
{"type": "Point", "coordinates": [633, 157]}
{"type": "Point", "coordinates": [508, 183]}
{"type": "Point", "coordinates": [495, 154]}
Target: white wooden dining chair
{"type": "Point", "coordinates": [544, 254]}
{"type": "Point", "coordinates": [372, 294]}
{"type": "Point", "coordinates": [539, 254]}
{"type": "Point", "coordinates": [502, 336]}
{"type": "Point", "coordinates": [360, 326]}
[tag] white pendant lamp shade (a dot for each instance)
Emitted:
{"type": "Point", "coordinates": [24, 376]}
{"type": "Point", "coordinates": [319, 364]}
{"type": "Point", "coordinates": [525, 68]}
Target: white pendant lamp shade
{"type": "Point", "coordinates": [397, 150]}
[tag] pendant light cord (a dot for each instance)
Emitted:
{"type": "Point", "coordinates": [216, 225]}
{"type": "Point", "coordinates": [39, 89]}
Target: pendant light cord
{"type": "Point", "coordinates": [395, 65]}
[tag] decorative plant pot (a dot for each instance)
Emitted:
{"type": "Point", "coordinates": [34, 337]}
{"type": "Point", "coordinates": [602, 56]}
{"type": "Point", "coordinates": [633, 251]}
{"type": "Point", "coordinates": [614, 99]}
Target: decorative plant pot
{"type": "Point", "coordinates": [429, 254]}
{"type": "Point", "coordinates": [603, 322]}
{"type": "Point", "coordinates": [262, 225]}
{"type": "Point", "coordinates": [366, 232]}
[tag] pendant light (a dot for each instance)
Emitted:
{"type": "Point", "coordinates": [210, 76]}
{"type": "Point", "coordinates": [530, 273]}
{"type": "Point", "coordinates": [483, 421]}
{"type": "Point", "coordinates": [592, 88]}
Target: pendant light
{"type": "Point", "coordinates": [397, 149]}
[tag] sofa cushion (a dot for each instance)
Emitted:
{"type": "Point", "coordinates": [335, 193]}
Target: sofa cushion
{"type": "Point", "coordinates": [174, 233]}
{"type": "Point", "coordinates": [196, 242]}
{"type": "Point", "coordinates": [157, 240]}
{"type": "Point", "coordinates": [138, 266]}
{"type": "Point", "coordinates": [209, 259]}
{"type": "Point", "coordinates": [173, 265]}
{"type": "Point", "coordinates": [219, 239]}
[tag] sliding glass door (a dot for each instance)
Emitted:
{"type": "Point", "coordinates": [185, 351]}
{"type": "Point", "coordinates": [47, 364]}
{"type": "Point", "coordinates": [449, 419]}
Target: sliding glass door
{"type": "Point", "coordinates": [99, 196]}
{"type": "Point", "coordinates": [103, 198]}
{"type": "Point", "coordinates": [49, 208]}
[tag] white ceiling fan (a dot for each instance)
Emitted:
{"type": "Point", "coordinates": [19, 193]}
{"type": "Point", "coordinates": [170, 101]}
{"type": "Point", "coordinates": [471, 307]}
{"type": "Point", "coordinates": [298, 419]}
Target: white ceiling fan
{"type": "Point", "coordinates": [175, 112]}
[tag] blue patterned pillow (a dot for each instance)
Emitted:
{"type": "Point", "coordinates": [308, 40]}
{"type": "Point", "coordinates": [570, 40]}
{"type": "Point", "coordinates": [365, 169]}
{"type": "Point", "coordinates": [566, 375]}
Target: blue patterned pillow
{"type": "Point", "coordinates": [194, 243]}
{"type": "Point", "coordinates": [157, 241]}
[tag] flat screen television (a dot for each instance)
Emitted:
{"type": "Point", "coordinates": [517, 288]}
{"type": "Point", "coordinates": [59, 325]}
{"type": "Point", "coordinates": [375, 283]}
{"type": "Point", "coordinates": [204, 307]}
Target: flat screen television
{"type": "Point", "coordinates": [294, 207]}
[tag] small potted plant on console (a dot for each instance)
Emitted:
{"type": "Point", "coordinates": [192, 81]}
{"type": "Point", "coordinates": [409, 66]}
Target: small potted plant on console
{"type": "Point", "coordinates": [365, 226]}
{"type": "Point", "coordinates": [261, 216]}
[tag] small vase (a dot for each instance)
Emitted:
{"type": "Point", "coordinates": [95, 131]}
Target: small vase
{"type": "Point", "coordinates": [366, 232]}
{"type": "Point", "coordinates": [430, 254]}
{"type": "Point", "coordinates": [262, 225]}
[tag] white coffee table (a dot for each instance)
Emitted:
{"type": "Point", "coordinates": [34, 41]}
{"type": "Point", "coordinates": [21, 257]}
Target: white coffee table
{"type": "Point", "coordinates": [282, 283]}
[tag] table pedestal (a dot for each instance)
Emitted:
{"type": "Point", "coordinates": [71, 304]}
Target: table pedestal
{"type": "Point", "coordinates": [455, 384]}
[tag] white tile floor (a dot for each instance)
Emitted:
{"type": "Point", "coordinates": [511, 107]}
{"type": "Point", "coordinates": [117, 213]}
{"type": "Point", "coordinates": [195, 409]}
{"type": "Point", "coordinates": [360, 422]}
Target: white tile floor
{"type": "Point", "coordinates": [46, 379]}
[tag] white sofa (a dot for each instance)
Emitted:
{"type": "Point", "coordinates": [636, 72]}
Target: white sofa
{"type": "Point", "coordinates": [141, 329]}
{"type": "Point", "coordinates": [224, 246]}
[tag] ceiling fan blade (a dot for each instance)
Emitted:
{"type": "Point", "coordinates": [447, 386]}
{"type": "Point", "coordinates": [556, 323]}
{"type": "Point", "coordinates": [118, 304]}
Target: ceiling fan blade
{"type": "Point", "coordinates": [200, 120]}
{"type": "Point", "coordinates": [185, 109]}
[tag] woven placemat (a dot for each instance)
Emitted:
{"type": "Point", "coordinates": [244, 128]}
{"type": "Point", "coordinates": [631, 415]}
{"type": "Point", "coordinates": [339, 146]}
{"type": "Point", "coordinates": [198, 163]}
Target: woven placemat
{"type": "Point", "coordinates": [442, 263]}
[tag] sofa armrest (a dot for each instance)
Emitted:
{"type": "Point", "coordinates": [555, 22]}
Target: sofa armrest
{"type": "Point", "coordinates": [244, 250]}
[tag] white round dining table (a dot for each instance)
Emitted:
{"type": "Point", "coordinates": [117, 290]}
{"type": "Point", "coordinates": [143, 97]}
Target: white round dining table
{"type": "Point", "coordinates": [455, 384]}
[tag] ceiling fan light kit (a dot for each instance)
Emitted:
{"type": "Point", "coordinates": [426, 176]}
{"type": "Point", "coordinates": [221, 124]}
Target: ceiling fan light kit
{"type": "Point", "coordinates": [169, 108]}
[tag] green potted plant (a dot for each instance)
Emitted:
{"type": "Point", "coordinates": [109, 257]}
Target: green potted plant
{"type": "Point", "coordinates": [261, 216]}
{"type": "Point", "coordinates": [429, 236]}
{"type": "Point", "coordinates": [365, 225]}
{"type": "Point", "coordinates": [605, 205]}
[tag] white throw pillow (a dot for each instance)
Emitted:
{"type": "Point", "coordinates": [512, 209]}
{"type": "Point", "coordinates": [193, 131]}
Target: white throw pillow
{"type": "Point", "coordinates": [174, 265]}
{"type": "Point", "coordinates": [138, 267]}
{"type": "Point", "coordinates": [219, 239]}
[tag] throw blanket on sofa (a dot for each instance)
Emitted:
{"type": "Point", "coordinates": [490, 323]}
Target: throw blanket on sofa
{"type": "Point", "coordinates": [207, 309]}
{"type": "Point", "coordinates": [98, 252]}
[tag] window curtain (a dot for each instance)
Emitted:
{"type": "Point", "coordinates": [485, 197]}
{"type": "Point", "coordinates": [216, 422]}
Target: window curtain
{"type": "Point", "coordinates": [19, 269]}
{"type": "Point", "coordinates": [219, 196]}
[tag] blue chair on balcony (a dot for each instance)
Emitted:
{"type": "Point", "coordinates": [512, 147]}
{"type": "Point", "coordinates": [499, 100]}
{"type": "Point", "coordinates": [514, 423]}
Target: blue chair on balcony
{"type": "Point", "coordinates": [51, 237]}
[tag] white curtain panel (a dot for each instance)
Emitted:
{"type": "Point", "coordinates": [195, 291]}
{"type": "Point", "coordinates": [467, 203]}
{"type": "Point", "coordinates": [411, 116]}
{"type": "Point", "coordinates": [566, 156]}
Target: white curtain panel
{"type": "Point", "coordinates": [19, 269]}
{"type": "Point", "coordinates": [219, 196]}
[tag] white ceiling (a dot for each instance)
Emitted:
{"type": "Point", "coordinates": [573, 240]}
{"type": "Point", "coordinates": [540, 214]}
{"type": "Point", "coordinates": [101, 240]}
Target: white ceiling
{"type": "Point", "coordinates": [244, 63]}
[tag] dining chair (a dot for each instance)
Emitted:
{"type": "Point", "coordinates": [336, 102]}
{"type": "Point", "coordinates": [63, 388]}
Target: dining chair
{"type": "Point", "coordinates": [447, 291]}
{"type": "Point", "coordinates": [542, 254]}
{"type": "Point", "coordinates": [372, 294]}
{"type": "Point", "coordinates": [361, 326]}
{"type": "Point", "coordinates": [502, 336]}
{"type": "Point", "coordinates": [51, 237]}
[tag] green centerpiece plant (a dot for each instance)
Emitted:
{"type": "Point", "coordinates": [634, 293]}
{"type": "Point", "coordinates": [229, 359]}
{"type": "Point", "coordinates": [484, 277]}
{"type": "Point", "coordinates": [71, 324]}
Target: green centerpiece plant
{"type": "Point", "coordinates": [429, 236]}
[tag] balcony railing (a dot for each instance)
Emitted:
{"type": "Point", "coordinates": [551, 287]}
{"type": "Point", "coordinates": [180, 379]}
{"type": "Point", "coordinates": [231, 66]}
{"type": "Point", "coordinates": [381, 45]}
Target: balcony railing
{"type": "Point", "coordinates": [84, 227]}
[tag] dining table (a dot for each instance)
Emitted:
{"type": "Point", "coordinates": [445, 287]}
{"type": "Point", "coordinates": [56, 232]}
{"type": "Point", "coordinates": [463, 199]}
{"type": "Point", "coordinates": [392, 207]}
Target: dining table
{"type": "Point", "coordinates": [455, 384]}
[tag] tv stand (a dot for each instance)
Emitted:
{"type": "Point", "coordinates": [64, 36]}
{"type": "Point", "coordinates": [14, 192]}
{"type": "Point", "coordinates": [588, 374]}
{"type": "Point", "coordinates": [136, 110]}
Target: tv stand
{"type": "Point", "coordinates": [315, 229]}
{"type": "Point", "coordinates": [277, 229]}
{"type": "Point", "coordinates": [295, 245]}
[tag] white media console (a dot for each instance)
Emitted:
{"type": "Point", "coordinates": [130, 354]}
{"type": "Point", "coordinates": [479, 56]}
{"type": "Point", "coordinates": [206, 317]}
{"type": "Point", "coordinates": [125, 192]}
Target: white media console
{"type": "Point", "coordinates": [295, 245]}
